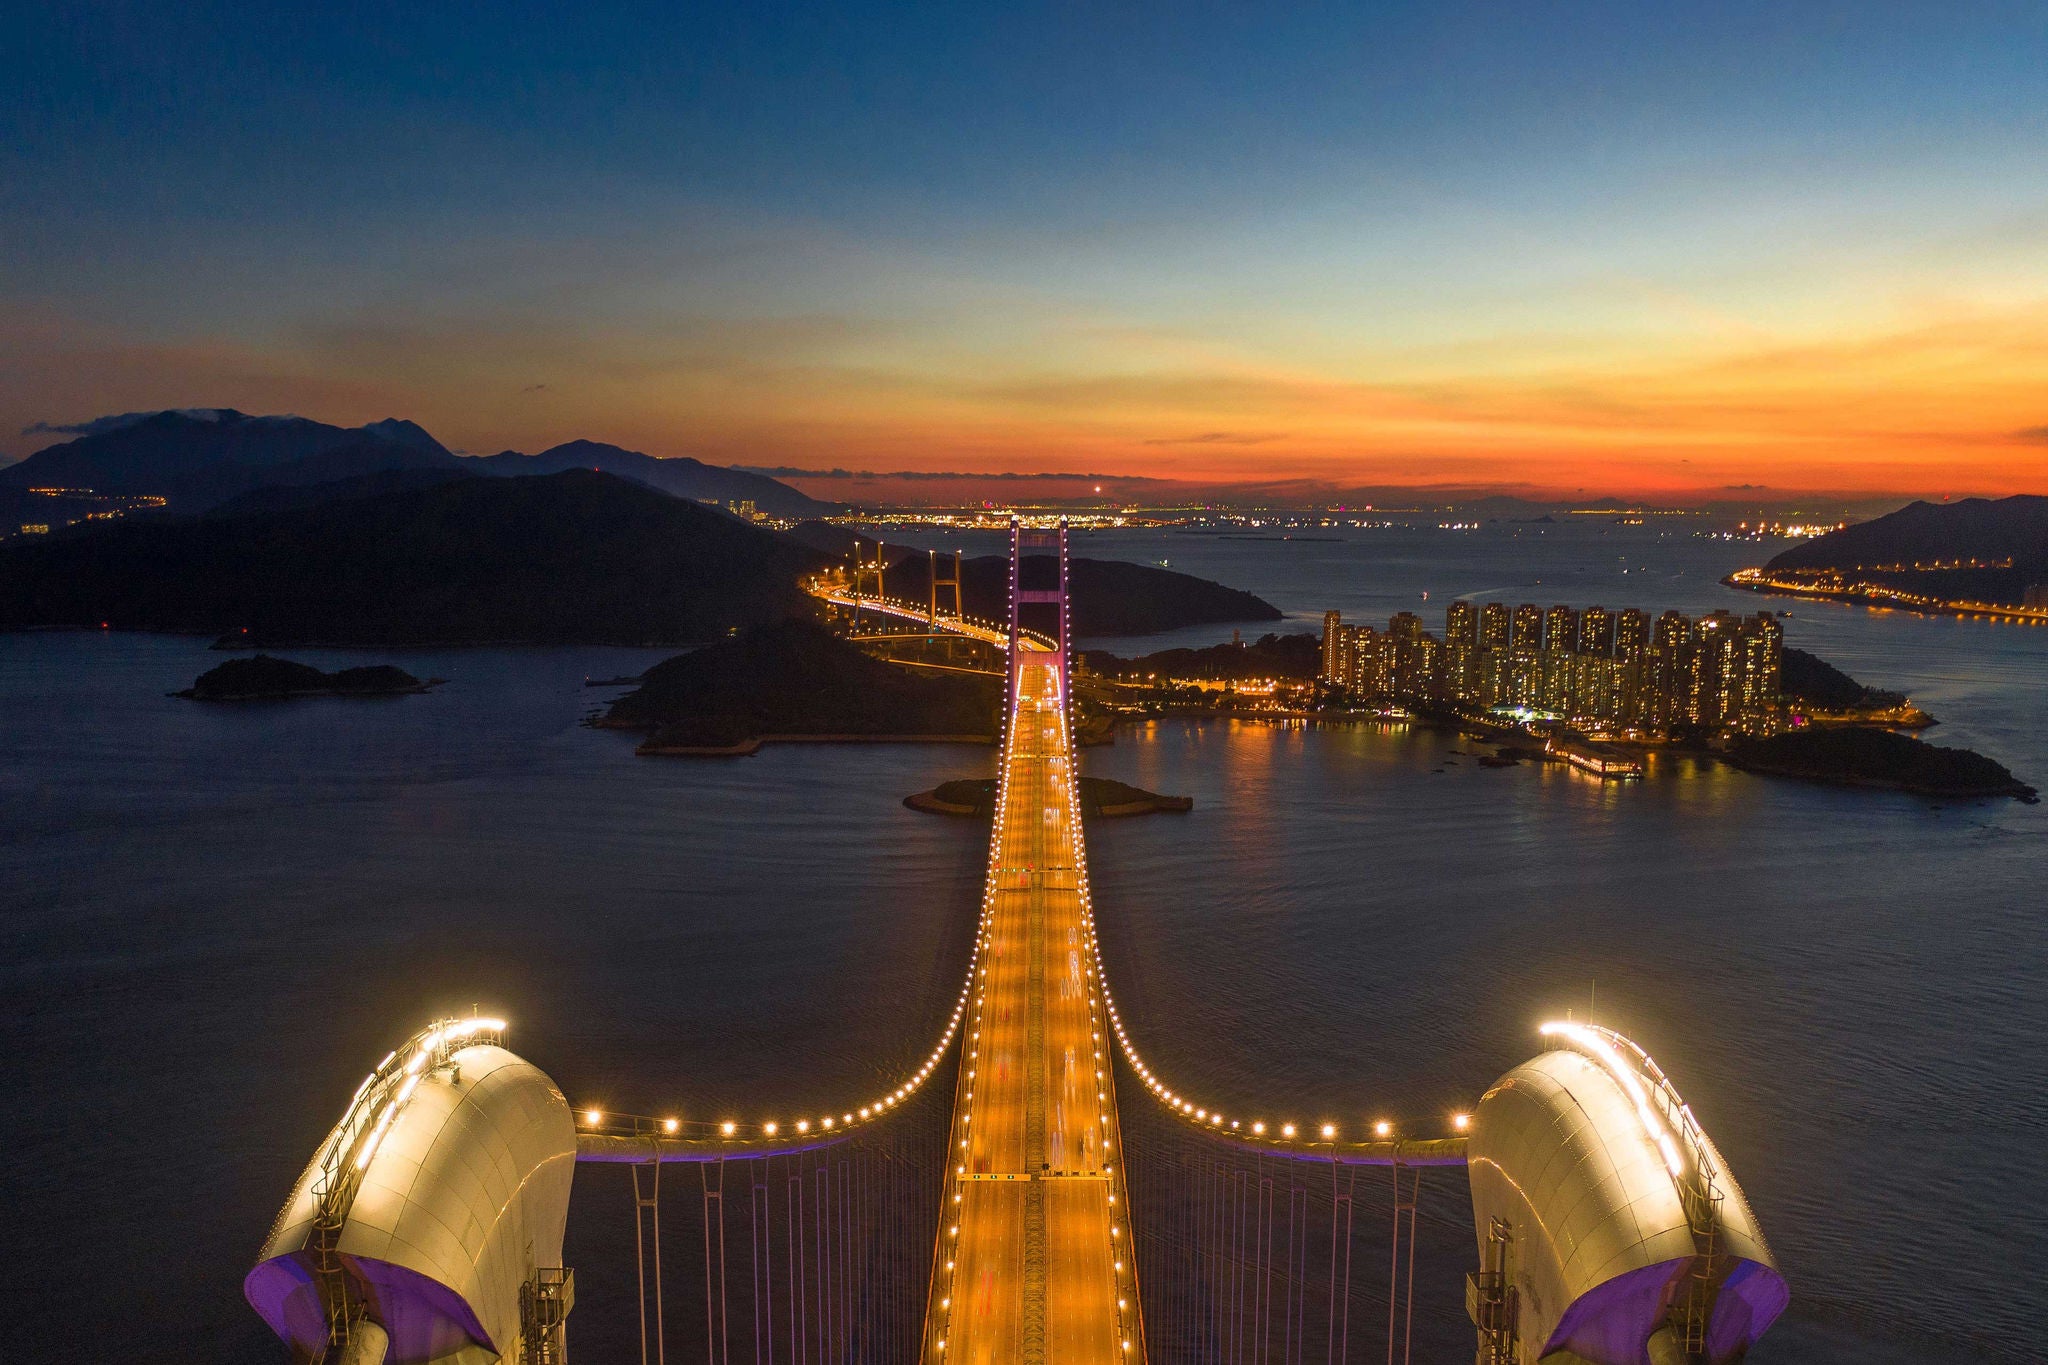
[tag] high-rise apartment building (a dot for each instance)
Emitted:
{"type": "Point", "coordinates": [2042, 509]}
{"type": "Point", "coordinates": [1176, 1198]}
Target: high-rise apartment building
{"type": "Point", "coordinates": [1597, 669]}
{"type": "Point", "coordinates": [1490, 669]}
{"type": "Point", "coordinates": [1631, 635]}
{"type": "Point", "coordinates": [1665, 672]}
{"type": "Point", "coordinates": [1763, 653]}
{"type": "Point", "coordinates": [1528, 627]}
{"type": "Point", "coordinates": [1631, 653]}
{"type": "Point", "coordinates": [1333, 648]}
{"type": "Point", "coordinates": [1372, 655]}
{"type": "Point", "coordinates": [1561, 629]}
{"type": "Point", "coordinates": [1461, 624]}
{"type": "Point", "coordinates": [1596, 631]}
{"type": "Point", "coordinates": [1708, 669]}
{"type": "Point", "coordinates": [1493, 626]}
{"type": "Point", "coordinates": [1554, 669]}
{"type": "Point", "coordinates": [1459, 674]}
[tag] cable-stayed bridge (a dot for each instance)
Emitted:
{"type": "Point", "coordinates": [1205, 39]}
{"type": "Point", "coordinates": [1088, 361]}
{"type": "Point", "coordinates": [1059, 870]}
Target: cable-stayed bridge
{"type": "Point", "coordinates": [1019, 1220]}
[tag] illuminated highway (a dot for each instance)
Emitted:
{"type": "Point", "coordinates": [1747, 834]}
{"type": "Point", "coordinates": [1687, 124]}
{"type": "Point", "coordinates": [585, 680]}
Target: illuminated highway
{"type": "Point", "coordinates": [1033, 1260]}
{"type": "Point", "coordinates": [1836, 585]}
{"type": "Point", "coordinates": [839, 595]}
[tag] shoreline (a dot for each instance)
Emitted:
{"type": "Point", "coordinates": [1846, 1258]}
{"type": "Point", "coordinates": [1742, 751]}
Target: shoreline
{"type": "Point", "coordinates": [193, 694]}
{"type": "Point", "coordinates": [1888, 599]}
{"type": "Point", "coordinates": [2017, 791]}
{"type": "Point", "coordinates": [1531, 750]}
{"type": "Point", "coordinates": [1913, 718]}
{"type": "Point", "coordinates": [268, 678]}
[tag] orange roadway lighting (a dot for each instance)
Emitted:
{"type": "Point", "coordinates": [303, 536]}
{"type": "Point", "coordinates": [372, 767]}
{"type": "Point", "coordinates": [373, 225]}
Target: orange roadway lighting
{"type": "Point", "coordinates": [1461, 1121]}
{"type": "Point", "coordinates": [593, 1117]}
{"type": "Point", "coordinates": [670, 1125]}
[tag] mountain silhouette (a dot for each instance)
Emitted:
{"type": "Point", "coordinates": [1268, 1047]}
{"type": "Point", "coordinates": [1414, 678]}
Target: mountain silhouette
{"type": "Point", "coordinates": [571, 558]}
{"type": "Point", "coordinates": [680, 475]}
{"type": "Point", "coordinates": [199, 458]}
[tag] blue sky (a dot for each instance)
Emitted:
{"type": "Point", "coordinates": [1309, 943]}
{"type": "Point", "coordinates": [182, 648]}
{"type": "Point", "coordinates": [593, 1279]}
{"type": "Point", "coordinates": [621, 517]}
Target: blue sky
{"type": "Point", "coordinates": [1395, 238]}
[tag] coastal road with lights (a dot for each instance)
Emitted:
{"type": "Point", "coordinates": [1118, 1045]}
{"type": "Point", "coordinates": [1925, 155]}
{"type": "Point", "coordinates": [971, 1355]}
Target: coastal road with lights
{"type": "Point", "coordinates": [986, 632]}
{"type": "Point", "coordinates": [1034, 1262]}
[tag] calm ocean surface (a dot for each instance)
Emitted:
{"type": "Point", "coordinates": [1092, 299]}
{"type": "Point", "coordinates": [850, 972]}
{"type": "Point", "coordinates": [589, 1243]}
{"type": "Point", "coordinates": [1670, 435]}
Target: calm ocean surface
{"type": "Point", "coordinates": [212, 920]}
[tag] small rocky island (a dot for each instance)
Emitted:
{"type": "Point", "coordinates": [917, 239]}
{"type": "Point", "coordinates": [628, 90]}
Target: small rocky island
{"type": "Point", "coordinates": [1865, 756]}
{"type": "Point", "coordinates": [1100, 796]}
{"type": "Point", "coordinates": [796, 681]}
{"type": "Point", "coordinates": [263, 678]}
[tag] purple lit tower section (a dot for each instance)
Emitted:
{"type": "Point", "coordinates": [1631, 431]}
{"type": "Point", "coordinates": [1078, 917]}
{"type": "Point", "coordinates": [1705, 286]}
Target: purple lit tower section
{"type": "Point", "coordinates": [1610, 1229]}
{"type": "Point", "coordinates": [428, 1226]}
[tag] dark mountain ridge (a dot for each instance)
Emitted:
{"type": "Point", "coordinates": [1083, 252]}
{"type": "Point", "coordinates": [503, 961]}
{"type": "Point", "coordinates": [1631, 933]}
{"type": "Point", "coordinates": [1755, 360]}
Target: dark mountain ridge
{"type": "Point", "coordinates": [677, 474]}
{"type": "Point", "coordinates": [1985, 551]}
{"type": "Point", "coordinates": [1298, 655]}
{"type": "Point", "coordinates": [287, 497]}
{"type": "Point", "coordinates": [198, 458]}
{"type": "Point", "coordinates": [2013, 528]}
{"type": "Point", "coordinates": [1865, 756]}
{"type": "Point", "coordinates": [576, 557]}
{"type": "Point", "coordinates": [1812, 681]}
{"type": "Point", "coordinates": [795, 678]}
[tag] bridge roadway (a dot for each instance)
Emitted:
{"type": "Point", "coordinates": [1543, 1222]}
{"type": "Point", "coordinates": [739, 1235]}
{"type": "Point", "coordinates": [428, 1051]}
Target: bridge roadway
{"type": "Point", "coordinates": [826, 591]}
{"type": "Point", "coordinates": [1033, 1262]}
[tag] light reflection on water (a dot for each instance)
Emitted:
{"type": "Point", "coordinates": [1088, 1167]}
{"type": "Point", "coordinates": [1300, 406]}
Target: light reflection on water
{"type": "Point", "coordinates": [1341, 931]}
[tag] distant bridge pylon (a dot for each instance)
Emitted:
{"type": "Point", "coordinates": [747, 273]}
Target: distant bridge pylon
{"type": "Point", "coordinates": [864, 568]}
{"type": "Point", "coordinates": [1036, 544]}
{"type": "Point", "coordinates": [951, 581]}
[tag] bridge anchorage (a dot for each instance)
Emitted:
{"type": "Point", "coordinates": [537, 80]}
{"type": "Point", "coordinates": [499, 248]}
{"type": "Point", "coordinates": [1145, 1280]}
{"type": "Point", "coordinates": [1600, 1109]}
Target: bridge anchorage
{"type": "Point", "coordinates": [1016, 1221]}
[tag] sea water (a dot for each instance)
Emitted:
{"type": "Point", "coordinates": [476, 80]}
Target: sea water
{"type": "Point", "coordinates": [214, 919]}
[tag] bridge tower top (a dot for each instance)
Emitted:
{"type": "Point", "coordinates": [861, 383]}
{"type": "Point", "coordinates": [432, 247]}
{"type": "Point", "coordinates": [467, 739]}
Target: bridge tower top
{"type": "Point", "coordinates": [1038, 542]}
{"type": "Point", "coordinates": [948, 578]}
{"type": "Point", "coordinates": [865, 568]}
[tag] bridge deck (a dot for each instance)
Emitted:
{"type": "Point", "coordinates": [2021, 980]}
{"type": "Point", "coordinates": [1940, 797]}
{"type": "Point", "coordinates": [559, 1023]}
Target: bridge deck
{"type": "Point", "coordinates": [1039, 1267]}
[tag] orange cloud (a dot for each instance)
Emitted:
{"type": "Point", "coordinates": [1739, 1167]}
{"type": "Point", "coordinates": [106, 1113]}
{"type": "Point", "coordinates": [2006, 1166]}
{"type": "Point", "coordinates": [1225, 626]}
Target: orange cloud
{"type": "Point", "coordinates": [1953, 403]}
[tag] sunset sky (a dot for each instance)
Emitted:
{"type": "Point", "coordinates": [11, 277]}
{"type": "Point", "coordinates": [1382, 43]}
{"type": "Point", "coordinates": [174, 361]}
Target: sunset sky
{"type": "Point", "coordinates": [1639, 249]}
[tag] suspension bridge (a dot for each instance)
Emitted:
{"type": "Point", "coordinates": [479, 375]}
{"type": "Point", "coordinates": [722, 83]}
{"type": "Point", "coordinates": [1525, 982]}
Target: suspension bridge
{"type": "Point", "coordinates": [991, 1206]}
